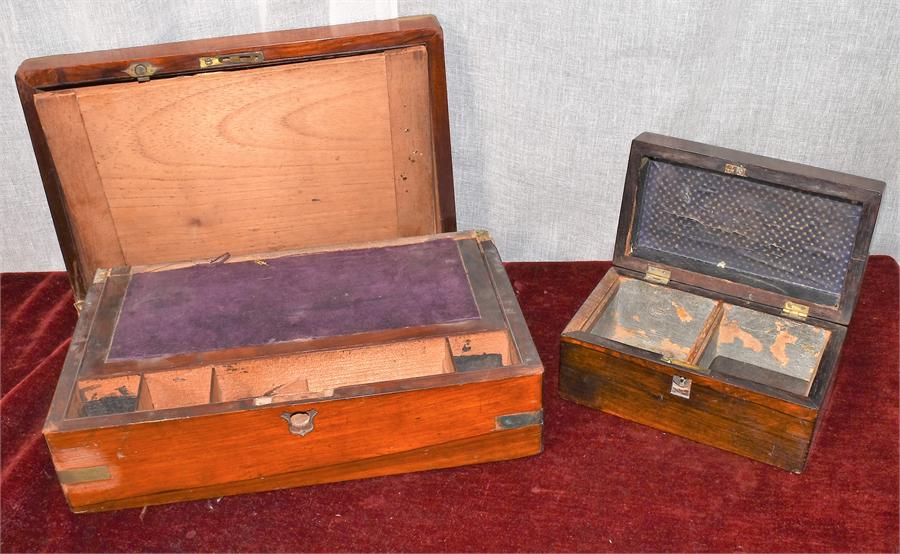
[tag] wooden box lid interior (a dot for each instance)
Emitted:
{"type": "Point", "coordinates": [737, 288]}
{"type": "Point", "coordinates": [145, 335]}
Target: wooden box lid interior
{"type": "Point", "coordinates": [311, 141]}
{"type": "Point", "coordinates": [746, 226]}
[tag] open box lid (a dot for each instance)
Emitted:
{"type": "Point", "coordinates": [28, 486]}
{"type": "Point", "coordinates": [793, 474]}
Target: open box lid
{"type": "Point", "coordinates": [759, 229]}
{"type": "Point", "coordinates": [256, 143]}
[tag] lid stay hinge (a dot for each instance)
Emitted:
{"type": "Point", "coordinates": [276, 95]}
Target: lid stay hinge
{"type": "Point", "coordinates": [794, 310]}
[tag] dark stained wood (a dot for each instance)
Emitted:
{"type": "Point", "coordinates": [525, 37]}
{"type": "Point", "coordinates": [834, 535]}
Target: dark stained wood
{"type": "Point", "coordinates": [751, 410]}
{"type": "Point", "coordinates": [78, 70]}
{"type": "Point", "coordinates": [639, 390]}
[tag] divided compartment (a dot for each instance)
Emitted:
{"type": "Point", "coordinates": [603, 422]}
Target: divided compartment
{"type": "Point", "coordinates": [651, 317]}
{"type": "Point", "coordinates": [713, 335]}
{"type": "Point", "coordinates": [295, 376]}
{"type": "Point", "coordinates": [764, 348]}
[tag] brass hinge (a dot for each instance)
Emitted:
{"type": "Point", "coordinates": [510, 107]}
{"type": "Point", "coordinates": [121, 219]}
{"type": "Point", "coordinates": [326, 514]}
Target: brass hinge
{"type": "Point", "coordinates": [141, 70]}
{"type": "Point", "coordinates": [797, 311]}
{"type": "Point", "coordinates": [238, 58]}
{"type": "Point", "coordinates": [735, 169]}
{"type": "Point", "coordinates": [658, 275]}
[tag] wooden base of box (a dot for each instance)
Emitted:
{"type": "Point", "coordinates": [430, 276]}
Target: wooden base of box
{"type": "Point", "coordinates": [206, 457]}
{"type": "Point", "coordinates": [741, 421]}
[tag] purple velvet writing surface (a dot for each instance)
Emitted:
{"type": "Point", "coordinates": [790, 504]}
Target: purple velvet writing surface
{"type": "Point", "coordinates": [217, 306]}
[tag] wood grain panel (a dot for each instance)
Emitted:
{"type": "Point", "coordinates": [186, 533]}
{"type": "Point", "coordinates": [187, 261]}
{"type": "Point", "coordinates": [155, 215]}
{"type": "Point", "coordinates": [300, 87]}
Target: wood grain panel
{"type": "Point", "coordinates": [85, 200]}
{"type": "Point", "coordinates": [93, 69]}
{"type": "Point", "coordinates": [490, 447]}
{"type": "Point", "coordinates": [273, 158]}
{"type": "Point", "coordinates": [214, 451]}
{"type": "Point", "coordinates": [410, 101]}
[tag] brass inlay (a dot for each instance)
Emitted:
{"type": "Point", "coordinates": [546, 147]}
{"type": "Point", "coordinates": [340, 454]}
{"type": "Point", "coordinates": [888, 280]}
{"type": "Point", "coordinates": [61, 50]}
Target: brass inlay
{"type": "Point", "coordinates": [83, 475]}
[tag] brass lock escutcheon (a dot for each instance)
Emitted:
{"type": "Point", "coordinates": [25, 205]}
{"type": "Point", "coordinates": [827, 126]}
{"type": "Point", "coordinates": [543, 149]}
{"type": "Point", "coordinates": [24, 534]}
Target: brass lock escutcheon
{"type": "Point", "coordinates": [300, 423]}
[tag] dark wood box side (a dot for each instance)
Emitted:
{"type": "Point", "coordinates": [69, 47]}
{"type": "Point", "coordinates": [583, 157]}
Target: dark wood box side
{"type": "Point", "coordinates": [867, 192]}
{"type": "Point", "coordinates": [181, 58]}
{"type": "Point", "coordinates": [638, 390]}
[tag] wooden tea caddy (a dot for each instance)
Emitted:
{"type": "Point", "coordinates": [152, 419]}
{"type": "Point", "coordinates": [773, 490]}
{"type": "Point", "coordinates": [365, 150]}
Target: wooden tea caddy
{"type": "Point", "coordinates": [331, 325]}
{"type": "Point", "coordinates": [734, 279]}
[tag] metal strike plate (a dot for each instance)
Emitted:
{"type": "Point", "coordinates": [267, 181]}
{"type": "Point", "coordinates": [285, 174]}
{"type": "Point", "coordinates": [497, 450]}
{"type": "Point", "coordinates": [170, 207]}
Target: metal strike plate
{"type": "Point", "coordinates": [238, 58]}
{"type": "Point", "coordinates": [735, 169]}
{"type": "Point", "coordinates": [681, 386]}
{"type": "Point", "coordinates": [300, 423]}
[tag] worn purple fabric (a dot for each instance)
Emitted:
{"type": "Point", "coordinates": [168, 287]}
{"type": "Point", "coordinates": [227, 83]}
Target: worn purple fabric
{"type": "Point", "coordinates": [210, 307]}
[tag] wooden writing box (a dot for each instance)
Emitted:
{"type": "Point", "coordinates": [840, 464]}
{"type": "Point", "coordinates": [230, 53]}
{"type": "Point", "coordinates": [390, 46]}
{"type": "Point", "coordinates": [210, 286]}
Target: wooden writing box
{"type": "Point", "coordinates": [260, 239]}
{"type": "Point", "coordinates": [722, 319]}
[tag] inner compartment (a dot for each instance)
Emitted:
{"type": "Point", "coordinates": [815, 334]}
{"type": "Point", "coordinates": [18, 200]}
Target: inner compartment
{"type": "Point", "coordinates": [764, 348]}
{"type": "Point", "coordinates": [652, 317]}
{"type": "Point", "coordinates": [217, 306]}
{"type": "Point", "coordinates": [781, 239]}
{"type": "Point", "coordinates": [315, 374]}
{"type": "Point", "coordinates": [724, 338]}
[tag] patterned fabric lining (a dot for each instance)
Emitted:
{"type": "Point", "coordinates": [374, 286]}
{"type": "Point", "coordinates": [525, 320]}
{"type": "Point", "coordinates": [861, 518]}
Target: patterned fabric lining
{"type": "Point", "coordinates": [761, 234]}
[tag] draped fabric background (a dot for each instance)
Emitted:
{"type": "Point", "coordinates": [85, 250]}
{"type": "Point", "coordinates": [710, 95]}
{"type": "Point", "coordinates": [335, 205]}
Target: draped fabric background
{"type": "Point", "coordinates": [545, 97]}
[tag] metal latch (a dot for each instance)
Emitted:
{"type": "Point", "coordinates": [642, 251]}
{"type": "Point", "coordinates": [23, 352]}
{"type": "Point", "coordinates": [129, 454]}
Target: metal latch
{"type": "Point", "coordinates": [735, 169]}
{"type": "Point", "coordinates": [794, 310]}
{"type": "Point", "coordinates": [681, 386]}
{"type": "Point", "coordinates": [238, 58]}
{"type": "Point", "coordinates": [658, 275]}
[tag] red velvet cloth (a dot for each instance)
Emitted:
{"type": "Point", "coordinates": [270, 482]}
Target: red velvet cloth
{"type": "Point", "coordinates": [602, 483]}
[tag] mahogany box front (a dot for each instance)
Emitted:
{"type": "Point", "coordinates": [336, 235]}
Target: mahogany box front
{"type": "Point", "coordinates": [734, 279]}
{"type": "Point", "coordinates": [260, 233]}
